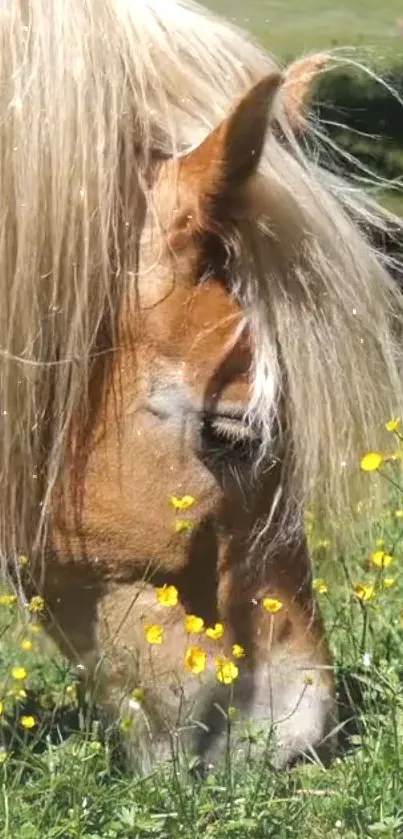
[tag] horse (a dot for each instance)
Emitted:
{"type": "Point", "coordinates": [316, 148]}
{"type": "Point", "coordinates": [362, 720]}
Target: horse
{"type": "Point", "coordinates": [198, 339]}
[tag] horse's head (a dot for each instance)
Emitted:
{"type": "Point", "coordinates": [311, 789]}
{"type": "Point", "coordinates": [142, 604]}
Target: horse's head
{"type": "Point", "coordinates": [176, 418]}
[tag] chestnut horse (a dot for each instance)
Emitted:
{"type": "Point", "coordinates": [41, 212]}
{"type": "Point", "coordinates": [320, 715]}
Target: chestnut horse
{"type": "Point", "coordinates": [197, 339]}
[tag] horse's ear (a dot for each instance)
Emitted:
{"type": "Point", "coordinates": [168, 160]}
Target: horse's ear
{"type": "Point", "coordinates": [298, 86]}
{"type": "Point", "coordinates": [230, 155]}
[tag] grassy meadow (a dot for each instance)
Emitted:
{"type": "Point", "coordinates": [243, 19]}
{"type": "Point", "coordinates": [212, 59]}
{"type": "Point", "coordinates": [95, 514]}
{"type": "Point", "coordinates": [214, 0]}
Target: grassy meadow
{"type": "Point", "coordinates": [59, 778]}
{"type": "Point", "coordinates": [289, 27]}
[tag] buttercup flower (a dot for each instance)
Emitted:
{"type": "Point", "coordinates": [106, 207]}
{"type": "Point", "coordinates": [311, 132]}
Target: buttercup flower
{"type": "Point", "coordinates": [399, 514]}
{"type": "Point", "coordinates": [238, 651]}
{"type": "Point", "coordinates": [28, 721]}
{"type": "Point", "coordinates": [371, 461]}
{"type": "Point", "coordinates": [1, 707]}
{"type": "Point", "coordinates": [36, 604]}
{"type": "Point", "coordinates": [226, 671]}
{"type": "Point", "coordinates": [20, 694]}
{"type": "Point", "coordinates": [183, 503]}
{"type": "Point", "coordinates": [7, 599]}
{"type": "Point", "coordinates": [319, 585]}
{"type": "Point", "coordinates": [381, 559]}
{"type": "Point", "coordinates": [26, 645]}
{"type": "Point", "coordinates": [215, 633]}
{"type": "Point", "coordinates": [193, 624]}
{"type": "Point", "coordinates": [195, 660]}
{"type": "Point", "coordinates": [154, 634]}
{"type": "Point", "coordinates": [272, 605]}
{"type": "Point", "coordinates": [364, 591]}
{"type": "Point", "coordinates": [392, 425]}
{"type": "Point", "coordinates": [181, 525]}
{"type": "Point", "coordinates": [167, 596]}
{"type": "Point", "coordinates": [19, 673]}
{"type": "Point", "coordinates": [388, 582]}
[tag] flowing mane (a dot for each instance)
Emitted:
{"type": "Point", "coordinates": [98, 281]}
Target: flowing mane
{"type": "Point", "coordinates": [90, 92]}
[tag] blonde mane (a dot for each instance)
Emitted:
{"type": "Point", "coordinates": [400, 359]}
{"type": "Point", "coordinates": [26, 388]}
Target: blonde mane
{"type": "Point", "coordinates": [89, 90]}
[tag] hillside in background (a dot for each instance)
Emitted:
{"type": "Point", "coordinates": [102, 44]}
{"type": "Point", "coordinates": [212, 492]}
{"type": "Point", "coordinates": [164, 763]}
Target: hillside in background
{"type": "Point", "coordinates": [291, 26]}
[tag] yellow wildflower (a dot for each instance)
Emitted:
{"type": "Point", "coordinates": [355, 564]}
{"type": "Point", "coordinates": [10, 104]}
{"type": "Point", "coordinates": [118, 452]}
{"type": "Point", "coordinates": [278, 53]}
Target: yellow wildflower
{"type": "Point", "coordinates": [319, 585]}
{"type": "Point", "coordinates": [26, 645]}
{"type": "Point", "coordinates": [195, 660]}
{"type": "Point", "coordinates": [364, 591]}
{"type": "Point", "coordinates": [388, 582]}
{"type": "Point", "coordinates": [36, 604]}
{"type": "Point", "coordinates": [3, 756]}
{"type": "Point", "coordinates": [167, 596]}
{"type": "Point", "coordinates": [19, 673]}
{"type": "Point", "coordinates": [183, 503]}
{"type": "Point", "coordinates": [154, 634]}
{"type": "Point", "coordinates": [226, 671]}
{"type": "Point", "coordinates": [28, 721]}
{"type": "Point", "coordinates": [18, 693]}
{"type": "Point", "coordinates": [381, 559]}
{"type": "Point", "coordinates": [371, 461]}
{"type": "Point", "coordinates": [193, 624]}
{"type": "Point", "coordinates": [272, 605]}
{"type": "Point", "coordinates": [238, 651]}
{"type": "Point", "coordinates": [181, 525]}
{"type": "Point", "coordinates": [1, 707]}
{"type": "Point", "coordinates": [22, 560]}
{"type": "Point", "coordinates": [215, 632]}
{"type": "Point", "coordinates": [7, 599]}
{"type": "Point", "coordinates": [399, 514]}
{"type": "Point", "coordinates": [392, 425]}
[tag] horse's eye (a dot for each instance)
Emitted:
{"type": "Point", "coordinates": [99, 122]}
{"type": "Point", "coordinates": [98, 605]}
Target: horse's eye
{"type": "Point", "coordinates": [228, 435]}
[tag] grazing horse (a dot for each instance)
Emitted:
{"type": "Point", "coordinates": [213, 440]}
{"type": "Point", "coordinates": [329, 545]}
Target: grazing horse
{"type": "Point", "coordinates": [197, 339]}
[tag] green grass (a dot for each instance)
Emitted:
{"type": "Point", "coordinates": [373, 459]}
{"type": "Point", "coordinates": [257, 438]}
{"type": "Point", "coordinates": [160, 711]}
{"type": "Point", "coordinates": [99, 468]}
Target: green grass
{"type": "Point", "coordinates": [288, 27]}
{"type": "Point", "coordinates": [60, 779]}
